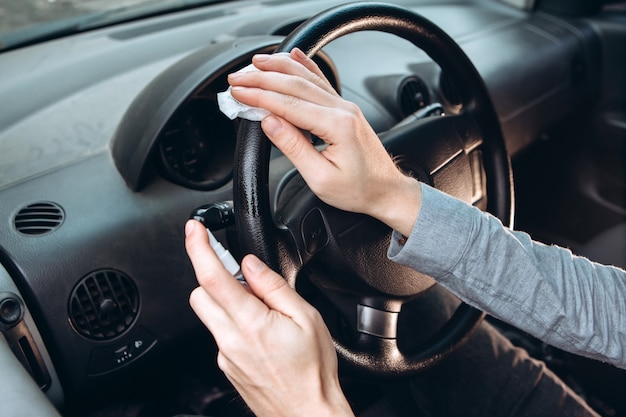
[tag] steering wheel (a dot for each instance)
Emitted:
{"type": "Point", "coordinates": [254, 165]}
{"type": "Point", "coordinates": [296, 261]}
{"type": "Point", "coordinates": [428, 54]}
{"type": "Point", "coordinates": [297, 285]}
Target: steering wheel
{"type": "Point", "coordinates": [345, 253]}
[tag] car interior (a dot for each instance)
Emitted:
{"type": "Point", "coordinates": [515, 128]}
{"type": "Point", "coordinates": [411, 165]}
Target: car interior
{"type": "Point", "coordinates": [111, 139]}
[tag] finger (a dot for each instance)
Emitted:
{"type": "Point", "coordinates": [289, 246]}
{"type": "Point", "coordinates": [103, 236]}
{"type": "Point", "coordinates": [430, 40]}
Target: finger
{"type": "Point", "coordinates": [225, 331]}
{"type": "Point", "coordinates": [223, 288]}
{"type": "Point", "coordinates": [296, 147]}
{"type": "Point", "coordinates": [297, 55]}
{"type": "Point", "coordinates": [271, 288]}
{"type": "Point", "coordinates": [296, 64]}
{"type": "Point", "coordinates": [206, 264]}
{"type": "Point", "coordinates": [299, 77]}
{"type": "Point", "coordinates": [208, 311]}
{"type": "Point", "coordinates": [302, 112]}
{"type": "Point", "coordinates": [287, 85]}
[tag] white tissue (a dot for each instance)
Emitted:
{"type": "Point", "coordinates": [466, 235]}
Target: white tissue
{"type": "Point", "coordinates": [233, 108]}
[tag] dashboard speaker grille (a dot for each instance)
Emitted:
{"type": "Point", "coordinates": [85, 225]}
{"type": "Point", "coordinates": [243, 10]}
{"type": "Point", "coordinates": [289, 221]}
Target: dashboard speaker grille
{"type": "Point", "coordinates": [38, 218]}
{"type": "Point", "coordinates": [103, 305]}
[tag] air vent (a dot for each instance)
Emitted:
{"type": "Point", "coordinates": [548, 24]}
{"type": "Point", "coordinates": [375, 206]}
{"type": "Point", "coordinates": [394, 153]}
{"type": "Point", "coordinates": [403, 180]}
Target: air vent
{"type": "Point", "coordinates": [104, 305]}
{"type": "Point", "coordinates": [413, 95]}
{"type": "Point", "coordinates": [449, 90]}
{"type": "Point", "coordinates": [38, 218]}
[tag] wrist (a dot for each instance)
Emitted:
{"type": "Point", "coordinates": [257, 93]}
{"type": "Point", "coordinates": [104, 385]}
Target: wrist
{"type": "Point", "coordinates": [337, 406]}
{"type": "Point", "coordinates": [401, 205]}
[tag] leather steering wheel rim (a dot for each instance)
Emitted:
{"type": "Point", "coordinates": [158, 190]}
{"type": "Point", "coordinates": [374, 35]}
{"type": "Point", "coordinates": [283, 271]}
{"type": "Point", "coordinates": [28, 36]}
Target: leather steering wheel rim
{"type": "Point", "coordinates": [254, 218]}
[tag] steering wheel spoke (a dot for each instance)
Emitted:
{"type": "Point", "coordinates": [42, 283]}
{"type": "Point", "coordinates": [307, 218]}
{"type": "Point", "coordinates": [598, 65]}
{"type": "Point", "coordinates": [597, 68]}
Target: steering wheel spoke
{"type": "Point", "coordinates": [376, 342]}
{"type": "Point", "coordinates": [436, 150]}
{"type": "Point", "coordinates": [379, 320]}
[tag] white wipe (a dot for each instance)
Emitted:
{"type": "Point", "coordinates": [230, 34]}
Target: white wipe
{"type": "Point", "coordinates": [233, 108]}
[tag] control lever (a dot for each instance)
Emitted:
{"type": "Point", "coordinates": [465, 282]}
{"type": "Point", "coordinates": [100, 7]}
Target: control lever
{"type": "Point", "coordinates": [434, 109]}
{"type": "Point", "coordinates": [215, 216]}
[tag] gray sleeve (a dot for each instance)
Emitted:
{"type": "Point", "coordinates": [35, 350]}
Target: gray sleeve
{"type": "Point", "coordinates": [567, 301]}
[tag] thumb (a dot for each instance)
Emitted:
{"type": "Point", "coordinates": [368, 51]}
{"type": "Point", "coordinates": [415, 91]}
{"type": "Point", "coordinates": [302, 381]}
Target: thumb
{"type": "Point", "coordinates": [271, 288]}
{"type": "Point", "coordinates": [294, 145]}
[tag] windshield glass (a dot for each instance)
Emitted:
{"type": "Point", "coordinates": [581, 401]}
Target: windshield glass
{"type": "Point", "coordinates": [24, 22]}
{"type": "Point", "coordinates": [17, 15]}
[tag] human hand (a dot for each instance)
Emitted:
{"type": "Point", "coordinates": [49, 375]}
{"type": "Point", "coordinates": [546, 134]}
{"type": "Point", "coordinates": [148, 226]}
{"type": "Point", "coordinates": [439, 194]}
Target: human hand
{"type": "Point", "coordinates": [273, 346]}
{"type": "Point", "coordinates": [353, 172]}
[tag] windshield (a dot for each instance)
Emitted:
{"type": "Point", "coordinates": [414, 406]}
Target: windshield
{"type": "Point", "coordinates": [24, 22]}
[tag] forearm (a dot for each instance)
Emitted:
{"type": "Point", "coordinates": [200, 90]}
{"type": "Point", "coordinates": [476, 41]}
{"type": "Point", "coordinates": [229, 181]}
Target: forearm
{"type": "Point", "coordinates": [564, 300]}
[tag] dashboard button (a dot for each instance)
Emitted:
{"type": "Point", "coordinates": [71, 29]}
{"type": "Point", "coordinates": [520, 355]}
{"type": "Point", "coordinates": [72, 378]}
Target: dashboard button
{"type": "Point", "coordinates": [128, 349]}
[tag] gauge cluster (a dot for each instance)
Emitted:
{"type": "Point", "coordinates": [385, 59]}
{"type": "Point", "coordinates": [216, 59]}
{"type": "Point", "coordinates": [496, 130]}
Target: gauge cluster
{"type": "Point", "coordinates": [196, 147]}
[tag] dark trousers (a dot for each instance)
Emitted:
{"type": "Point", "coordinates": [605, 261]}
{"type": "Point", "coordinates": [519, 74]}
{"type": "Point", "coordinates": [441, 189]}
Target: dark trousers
{"type": "Point", "coordinates": [489, 376]}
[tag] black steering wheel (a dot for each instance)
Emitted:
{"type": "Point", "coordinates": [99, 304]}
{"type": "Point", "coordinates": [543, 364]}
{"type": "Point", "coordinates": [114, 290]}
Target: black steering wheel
{"type": "Point", "coordinates": [345, 253]}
